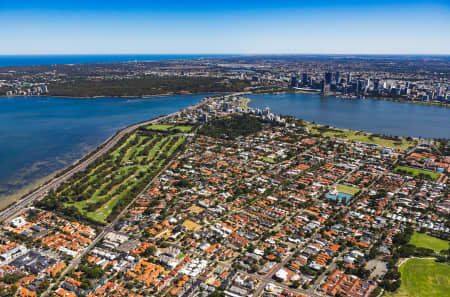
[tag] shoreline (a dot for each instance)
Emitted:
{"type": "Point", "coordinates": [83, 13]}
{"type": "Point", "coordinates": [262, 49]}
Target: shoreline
{"type": "Point", "coordinates": [447, 105]}
{"type": "Point", "coordinates": [8, 201]}
{"type": "Point", "coordinates": [118, 97]}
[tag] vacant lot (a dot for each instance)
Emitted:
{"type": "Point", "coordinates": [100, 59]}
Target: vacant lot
{"type": "Point", "coordinates": [429, 242]}
{"type": "Point", "coordinates": [423, 278]}
{"type": "Point", "coordinates": [190, 225]}
{"type": "Point", "coordinates": [416, 172]}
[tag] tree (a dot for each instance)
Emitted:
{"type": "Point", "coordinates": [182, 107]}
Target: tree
{"type": "Point", "coordinates": [217, 293]}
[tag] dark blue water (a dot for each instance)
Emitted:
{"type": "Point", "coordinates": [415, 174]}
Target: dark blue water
{"type": "Point", "coordinates": [39, 135]}
{"type": "Point", "coordinates": [29, 60]}
{"type": "Point", "coordinates": [377, 116]}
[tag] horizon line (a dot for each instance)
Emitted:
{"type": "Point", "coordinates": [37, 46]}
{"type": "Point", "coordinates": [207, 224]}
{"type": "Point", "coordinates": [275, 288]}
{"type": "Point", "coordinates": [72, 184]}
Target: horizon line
{"type": "Point", "coordinates": [232, 54]}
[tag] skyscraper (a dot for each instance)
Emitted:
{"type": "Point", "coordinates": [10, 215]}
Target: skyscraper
{"type": "Point", "coordinates": [294, 82]}
{"type": "Point", "coordinates": [305, 79]}
{"type": "Point", "coordinates": [328, 77]}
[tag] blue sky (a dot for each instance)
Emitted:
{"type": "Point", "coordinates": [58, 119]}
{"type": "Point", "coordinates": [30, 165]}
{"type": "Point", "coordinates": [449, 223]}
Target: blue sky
{"type": "Point", "coordinates": [218, 27]}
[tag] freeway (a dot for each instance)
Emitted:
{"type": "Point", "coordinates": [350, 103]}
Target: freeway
{"type": "Point", "coordinates": [55, 182]}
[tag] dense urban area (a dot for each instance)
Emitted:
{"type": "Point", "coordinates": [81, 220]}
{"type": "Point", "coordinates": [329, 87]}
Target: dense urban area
{"type": "Point", "coordinates": [221, 199]}
{"type": "Point", "coordinates": [403, 78]}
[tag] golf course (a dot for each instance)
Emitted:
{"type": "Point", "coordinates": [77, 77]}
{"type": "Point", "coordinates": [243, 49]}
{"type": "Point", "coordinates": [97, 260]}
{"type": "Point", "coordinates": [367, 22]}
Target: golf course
{"type": "Point", "coordinates": [106, 186]}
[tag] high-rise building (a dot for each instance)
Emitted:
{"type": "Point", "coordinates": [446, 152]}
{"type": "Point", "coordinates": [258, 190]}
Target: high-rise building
{"type": "Point", "coordinates": [325, 88]}
{"type": "Point", "coordinates": [328, 77]}
{"type": "Point", "coordinates": [305, 79]}
{"type": "Point", "coordinates": [336, 77]}
{"type": "Point", "coordinates": [349, 77]}
{"type": "Point", "coordinates": [294, 82]}
{"type": "Point", "coordinates": [376, 84]}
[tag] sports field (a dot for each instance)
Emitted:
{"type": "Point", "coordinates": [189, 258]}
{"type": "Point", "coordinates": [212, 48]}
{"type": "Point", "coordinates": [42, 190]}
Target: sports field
{"type": "Point", "coordinates": [426, 241]}
{"type": "Point", "coordinates": [162, 127]}
{"type": "Point", "coordinates": [423, 278]}
{"type": "Point", "coordinates": [416, 172]}
{"type": "Point", "coordinates": [347, 189]}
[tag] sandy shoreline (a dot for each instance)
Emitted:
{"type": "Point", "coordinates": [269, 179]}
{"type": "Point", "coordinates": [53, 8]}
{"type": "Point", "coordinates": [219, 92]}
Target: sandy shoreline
{"type": "Point", "coordinates": [7, 200]}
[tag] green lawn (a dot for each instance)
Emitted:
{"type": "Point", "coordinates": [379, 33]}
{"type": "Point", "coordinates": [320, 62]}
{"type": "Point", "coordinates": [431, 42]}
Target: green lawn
{"type": "Point", "coordinates": [415, 172]}
{"type": "Point", "coordinates": [244, 103]}
{"type": "Point", "coordinates": [401, 143]}
{"type": "Point", "coordinates": [423, 278]}
{"type": "Point", "coordinates": [347, 189]}
{"type": "Point", "coordinates": [268, 160]}
{"type": "Point", "coordinates": [162, 127]}
{"type": "Point", "coordinates": [427, 241]}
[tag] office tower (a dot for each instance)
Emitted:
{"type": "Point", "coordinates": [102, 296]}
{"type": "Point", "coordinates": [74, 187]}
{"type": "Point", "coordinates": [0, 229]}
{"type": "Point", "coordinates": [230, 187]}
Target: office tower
{"type": "Point", "coordinates": [294, 82]}
{"type": "Point", "coordinates": [328, 77]}
{"type": "Point", "coordinates": [305, 79]}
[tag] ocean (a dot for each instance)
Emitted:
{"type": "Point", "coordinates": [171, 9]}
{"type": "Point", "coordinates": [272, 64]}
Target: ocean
{"type": "Point", "coordinates": [30, 60]}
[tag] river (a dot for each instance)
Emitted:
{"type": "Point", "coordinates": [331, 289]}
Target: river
{"type": "Point", "coordinates": [39, 135]}
{"type": "Point", "coordinates": [370, 115]}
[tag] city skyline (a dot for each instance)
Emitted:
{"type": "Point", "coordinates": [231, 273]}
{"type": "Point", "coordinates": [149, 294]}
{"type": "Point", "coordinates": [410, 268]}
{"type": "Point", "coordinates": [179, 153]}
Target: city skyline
{"type": "Point", "coordinates": [284, 27]}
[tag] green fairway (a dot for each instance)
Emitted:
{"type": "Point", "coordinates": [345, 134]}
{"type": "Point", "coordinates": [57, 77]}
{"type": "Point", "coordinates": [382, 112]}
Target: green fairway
{"type": "Point", "coordinates": [426, 241]}
{"type": "Point", "coordinates": [347, 189]}
{"type": "Point", "coordinates": [423, 278]}
{"type": "Point", "coordinates": [416, 172]}
{"type": "Point", "coordinates": [401, 143]}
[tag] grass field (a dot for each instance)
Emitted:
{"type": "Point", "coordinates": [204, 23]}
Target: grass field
{"type": "Point", "coordinates": [401, 143]}
{"type": "Point", "coordinates": [423, 278]}
{"type": "Point", "coordinates": [416, 172]}
{"type": "Point", "coordinates": [430, 242]}
{"type": "Point", "coordinates": [161, 127]}
{"type": "Point", "coordinates": [347, 189]}
{"type": "Point", "coordinates": [105, 187]}
{"type": "Point", "coordinates": [244, 103]}
{"type": "Point", "coordinates": [268, 160]}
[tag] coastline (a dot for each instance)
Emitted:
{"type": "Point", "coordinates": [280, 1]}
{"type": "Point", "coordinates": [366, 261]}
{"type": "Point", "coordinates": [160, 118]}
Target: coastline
{"type": "Point", "coordinates": [8, 201]}
{"type": "Point", "coordinates": [280, 92]}
{"type": "Point", "coordinates": [118, 97]}
{"type": "Point", "coordinates": [98, 97]}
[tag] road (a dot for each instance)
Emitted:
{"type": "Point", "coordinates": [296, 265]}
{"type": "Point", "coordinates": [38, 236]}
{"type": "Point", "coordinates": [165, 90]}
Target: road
{"type": "Point", "coordinates": [76, 260]}
{"type": "Point", "coordinates": [269, 277]}
{"type": "Point", "coordinates": [54, 183]}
